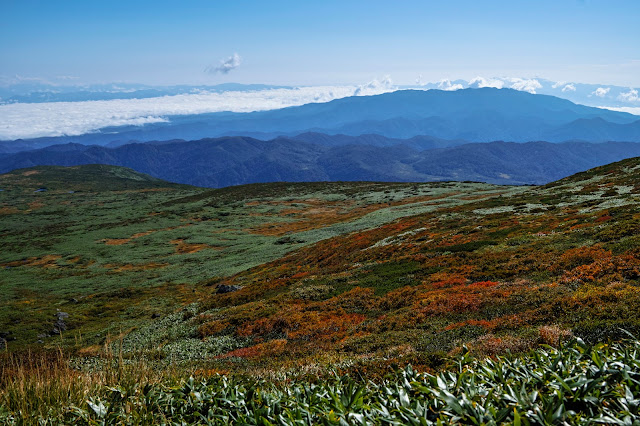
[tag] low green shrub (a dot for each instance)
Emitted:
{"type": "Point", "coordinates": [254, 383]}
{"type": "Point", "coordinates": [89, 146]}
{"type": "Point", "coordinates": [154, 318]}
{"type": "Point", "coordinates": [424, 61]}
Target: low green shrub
{"type": "Point", "coordinates": [575, 384]}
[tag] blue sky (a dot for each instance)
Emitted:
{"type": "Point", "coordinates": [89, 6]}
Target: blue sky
{"type": "Point", "coordinates": [324, 42]}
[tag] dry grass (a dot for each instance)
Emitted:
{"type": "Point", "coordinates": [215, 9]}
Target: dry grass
{"type": "Point", "coordinates": [32, 384]}
{"type": "Point", "coordinates": [554, 335]}
{"type": "Point", "coordinates": [120, 241]}
{"type": "Point", "coordinates": [46, 385]}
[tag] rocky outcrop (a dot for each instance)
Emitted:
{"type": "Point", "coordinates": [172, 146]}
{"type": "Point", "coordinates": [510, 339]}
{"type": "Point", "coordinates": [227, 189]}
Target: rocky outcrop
{"type": "Point", "coordinates": [223, 288]}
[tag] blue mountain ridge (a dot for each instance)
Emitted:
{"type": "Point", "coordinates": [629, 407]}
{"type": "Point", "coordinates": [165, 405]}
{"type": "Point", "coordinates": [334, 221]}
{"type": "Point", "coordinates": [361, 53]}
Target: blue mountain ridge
{"type": "Point", "coordinates": [238, 160]}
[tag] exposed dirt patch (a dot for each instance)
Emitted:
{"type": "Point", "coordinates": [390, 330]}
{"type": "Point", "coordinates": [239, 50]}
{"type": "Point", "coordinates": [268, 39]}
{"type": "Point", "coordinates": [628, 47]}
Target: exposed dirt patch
{"type": "Point", "coordinates": [142, 234]}
{"type": "Point", "coordinates": [187, 248]}
{"type": "Point", "coordinates": [34, 205]}
{"type": "Point", "coordinates": [9, 210]}
{"type": "Point", "coordinates": [30, 173]}
{"type": "Point", "coordinates": [131, 267]}
{"type": "Point", "coordinates": [116, 241]}
{"type": "Point", "coordinates": [47, 261]}
{"type": "Point", "coordinates": [120, 241]}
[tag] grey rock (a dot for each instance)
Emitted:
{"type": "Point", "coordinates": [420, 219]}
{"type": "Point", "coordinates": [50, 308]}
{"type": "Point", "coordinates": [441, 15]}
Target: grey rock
{"type": "Point", "coordinates": [288, 240]}
{"type": "Point", "coordinates": [223, 288]}
{"type": "Point", "coordinates": [59, 326]}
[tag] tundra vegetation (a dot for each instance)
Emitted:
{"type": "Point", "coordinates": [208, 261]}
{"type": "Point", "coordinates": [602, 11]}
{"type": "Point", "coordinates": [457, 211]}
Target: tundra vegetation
{"type": "Point", "coordinates": [338, 288]}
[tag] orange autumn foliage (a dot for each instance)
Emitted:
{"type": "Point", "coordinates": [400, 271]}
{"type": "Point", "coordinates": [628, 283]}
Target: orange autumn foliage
{"type": "Point", "coordinates": [298, 324]}
{"type": "Point", "coordinates": [212, 328]}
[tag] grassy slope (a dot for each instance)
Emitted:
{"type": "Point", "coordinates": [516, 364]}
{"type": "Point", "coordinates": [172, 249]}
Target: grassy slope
{"type": "Point", "coordinates": [111, 246]}
{"type": "Point", "coordinates": [329, 276]}
{"type": "Point", "coordinates": [501, 274]}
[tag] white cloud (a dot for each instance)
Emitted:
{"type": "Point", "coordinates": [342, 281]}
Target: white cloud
{"type": "Point", "coordinates": [31, 120]}
{"type": "Point", "coordinates": [630, 110]}
{"type": "Point", "coordinates": [375, 87]}
{"type": "Point", "coordinates": [601, 92]}
{"type": "Point", "coordinates": [525, 85]}
{"type": "Point", "coordinates": [447, 85]}
{"type": "Point", "coordinates": [558, 84]}
{"type": "Point", "coordinates": [20, 78]}
{"type": "Point", "coordinates": [569, 88]}
{"type": "Point", "coordinates": [226, 65]}
{"type": "Point", "coordinates": [10, 80]}
{"type": "Point", "coordinates": [480, 82]}
{"type": "Point", "coordinates": [630, 96]}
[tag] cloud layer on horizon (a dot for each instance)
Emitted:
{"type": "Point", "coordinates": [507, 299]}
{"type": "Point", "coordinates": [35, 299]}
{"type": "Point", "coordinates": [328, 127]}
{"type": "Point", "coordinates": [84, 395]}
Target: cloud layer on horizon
{"type": "Point", "coordinates": [33, 120]}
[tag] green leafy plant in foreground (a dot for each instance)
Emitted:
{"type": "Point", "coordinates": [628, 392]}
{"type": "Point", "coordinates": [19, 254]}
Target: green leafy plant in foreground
{"type": "Point", "coordinates": [575, 384]}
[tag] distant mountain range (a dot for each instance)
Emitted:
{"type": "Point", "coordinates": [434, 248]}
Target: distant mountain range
{"type": "Point", "coordinates": [317, 157]}
{"type": "Point", "coordinates": [29, 91]}
{"type": "Point", "coordinates": [474, 115]}
{"type": "Point", "coordinates": [36, 92]}
{"type": "Point", "coordinates": [376, 138]}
